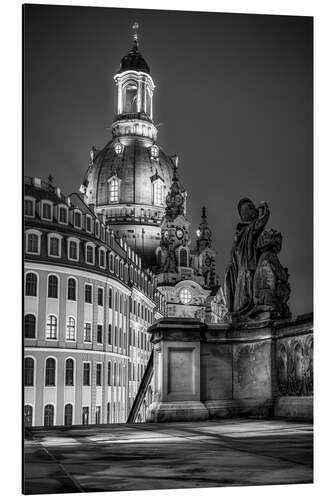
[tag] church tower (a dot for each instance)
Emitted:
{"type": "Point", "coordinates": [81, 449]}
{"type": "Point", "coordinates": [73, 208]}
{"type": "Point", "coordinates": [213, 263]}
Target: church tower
{"type": "Point", "coordinates": [127, 180]}
{"type": "Point", "coordinates": [204, 257]}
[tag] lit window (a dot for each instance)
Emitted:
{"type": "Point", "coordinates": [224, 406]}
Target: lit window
{"type": "Point", "coordinates": [46, 211]}
{"type": "Point", "coordinates": [32, 243]}
{"type": "Point", "coordinates": [118, 148]}
{"type": "Point", "coordinates": [130, 97]}
{"type": "Point", "coordinates": [48, 415]}
{"type": "Point", "coordinates": [54, 246]}
{"type": "Point", "coordinates": [114, 190]}
{"type": "Point", "coordinates": [70, 328]}
{"type": "Point", "coordinates": [77, 220]}
{"type": "Point", "coordinates": [185, 296]}
{"type": "Point", "coordinates": [29, 326]}
{"type": "Point", "coordinates": [31, 285]}
{"type": "Point", "coordinates": [158, 192]}
{"type": "Point", "coordinates": [63, 213]}
{"type": "Point", "coordinates": [85, 415]}
{"type": "Point", "coordinates": [29, 372]}
{"type": "Point", "coordinates": [154, 151]}
{"type": "Point", "coordinates": [98, 415]}
{"type": "Point", "coordinates": [69, 372]}
{"type": "Point", "coordinates": [87, 332]}
{"type": "Point", "coordinates": [29, 207]}
{"type": "Point", "coordinates": [73, 250]}
{"type": "Point", "coordinates": [71, 289]}
{"type": "Point", "coordinates": [52, 288]}
{"type": "Point", "coordinates": [51, 327]}
{"type": "Point", "coordinates": [68, 414]}
{"type": "Point", "coordinates": [50, 367]}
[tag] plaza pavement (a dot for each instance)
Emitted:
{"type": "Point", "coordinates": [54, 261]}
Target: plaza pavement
{"type": "Point", "coordinates": [169, 455]}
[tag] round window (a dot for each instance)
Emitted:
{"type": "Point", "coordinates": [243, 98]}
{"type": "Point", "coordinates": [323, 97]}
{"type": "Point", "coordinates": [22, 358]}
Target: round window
{"type": "Point", "coordinates": [185, 296]}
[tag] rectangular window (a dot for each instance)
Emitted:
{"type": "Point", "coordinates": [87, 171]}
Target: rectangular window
{"type": "Point", "coordinates": [73, 250]}
{"type": "Point", "coordinates": [86, 373]}
{"type": "Point", "coordinates": [87, 332]}
{"type": "Point", "coordinates": [116, 336]}
{"type": "Point", "coordinates": [110, 298]}
{"type": "Point", "coordinates": [110, 335]}
{"type": "Point", "coordinates": [99, 374]}
{"type": "Point", "coordinates": [29, 208]}
{"type": "Point", "coordinates": [100, 296]}
{"type": "Point", "coordinates": [63, 215]}
{"type": "Point", "coordinates": [46, 211]}
{"type": "Point", "coordinates": [90, 254]}
{"type": "Point", "coordinates": [102, 258]}
{"type": "Point", "coordinates": [88, 224]}
{"type": "Point", "coordinates": [32, 243]}
{"type": "Point", "coordinates": [88, 294]}
{"type": "Point", "coordinates": [99, 334]}
{"type": "Point", "coordinates": [77, 220]}
{"type": "Point", "coordinates": [54, 246]}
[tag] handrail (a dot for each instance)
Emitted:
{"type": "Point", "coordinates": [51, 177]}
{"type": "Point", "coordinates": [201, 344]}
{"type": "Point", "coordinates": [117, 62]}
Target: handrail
{"type": "Point", "coordinates": [143, 387]}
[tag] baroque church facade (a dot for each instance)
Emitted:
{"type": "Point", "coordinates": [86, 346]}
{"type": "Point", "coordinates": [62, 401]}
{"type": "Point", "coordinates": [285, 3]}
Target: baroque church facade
{"type": "Point", "coordinates": [135, 186]}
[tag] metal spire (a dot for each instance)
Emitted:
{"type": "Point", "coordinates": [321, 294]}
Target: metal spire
{"type": "Point", "coordinates": [135, 28]}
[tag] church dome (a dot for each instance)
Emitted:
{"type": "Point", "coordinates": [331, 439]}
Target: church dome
{"type": "Point", "coordinates": [136, 166]}
{"type": "Point", "coordinates": [134, 61]}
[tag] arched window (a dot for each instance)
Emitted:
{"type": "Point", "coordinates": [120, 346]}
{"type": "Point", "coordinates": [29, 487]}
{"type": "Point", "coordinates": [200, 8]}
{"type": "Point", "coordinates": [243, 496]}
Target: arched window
{"type": "Point", "coordinates": [69, 372]}
{"type": "Point", "coordinates": [63, 215]}
{"type": "Point", "coordinates": [28, 411]}
{"type": "Point", "coordinates": [183, 257]}
{"type": "Point", "coordinates": [185, 296]}
{"type": "Point", "coordinates": [48, 415]}
{"type": "Point", "coordinates": [68, 414]}
{"type": "Point", "coordinates": [114, 190]}
{"type": "Point", "coordinates": [29, 326]}
{"type": "Point", "coordinates": [32, 243]}
{"type": "Point", "coordinates": [71, 289]}
{"type": "Point", "coordinates": [70, 328]}
{"type": "Point", "coordinates": [158, 192]}
{"type": "Point", "coordinates": [52, 287]}
{"type": "Point", "coordinates": [29, 365]}
{"type": "Point", "coordinates": [130, 97]}
{"type": "Point", "coordinates": [31, 284]}
{"type": "Point", "coordinates": [51, 327]}
{"type": "Point", "coordinates": [50, 367]}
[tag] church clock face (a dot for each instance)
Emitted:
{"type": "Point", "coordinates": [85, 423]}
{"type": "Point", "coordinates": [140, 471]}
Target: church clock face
{"type": "Point", "coordinates": [179, 233]}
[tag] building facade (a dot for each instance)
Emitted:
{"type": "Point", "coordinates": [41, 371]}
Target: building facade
{"type": "Point", "coordinates": [88, 304]}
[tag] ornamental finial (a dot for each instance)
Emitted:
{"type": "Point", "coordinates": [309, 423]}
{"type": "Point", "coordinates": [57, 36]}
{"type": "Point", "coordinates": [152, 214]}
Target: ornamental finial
{"type": "Point", "coordinates": [135, 28]}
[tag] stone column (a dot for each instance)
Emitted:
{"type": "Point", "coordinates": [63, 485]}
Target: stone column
{"type": "Point", "coordinates": [177, 371]}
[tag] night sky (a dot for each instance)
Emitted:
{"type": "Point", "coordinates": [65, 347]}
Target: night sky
{"type": "Point", "coordinates": [233, 94]}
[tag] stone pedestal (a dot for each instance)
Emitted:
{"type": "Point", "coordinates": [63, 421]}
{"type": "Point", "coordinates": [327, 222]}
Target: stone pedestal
{"type": "Point", "coordinates": [176, 371]}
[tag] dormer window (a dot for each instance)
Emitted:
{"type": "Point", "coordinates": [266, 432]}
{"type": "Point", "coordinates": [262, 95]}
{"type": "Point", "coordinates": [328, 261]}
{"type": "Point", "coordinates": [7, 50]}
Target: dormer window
{"type": "Point", "coordinates": [88, 223]}
{"type": "Point", "coordinates": [29, 207]}
{"type": "Point", "coordinates": [63, 215]}
{"type": "Point", "coordinates": [46, 210]}
{"type": "Point", "coordinates": [77, 220]}
{"type": "Point", "coordinates": [158, 192]}
{"type": "Point", "coordinates": [114, 188]}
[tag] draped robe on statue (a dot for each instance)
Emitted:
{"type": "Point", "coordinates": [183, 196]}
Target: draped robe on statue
{"type": "Point", "coordinates": [244, 258]}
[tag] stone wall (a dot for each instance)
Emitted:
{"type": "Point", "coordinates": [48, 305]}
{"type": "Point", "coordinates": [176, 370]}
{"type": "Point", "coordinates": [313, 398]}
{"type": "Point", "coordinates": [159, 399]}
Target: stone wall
{"type": "Point", "coordinates": [261, 370]}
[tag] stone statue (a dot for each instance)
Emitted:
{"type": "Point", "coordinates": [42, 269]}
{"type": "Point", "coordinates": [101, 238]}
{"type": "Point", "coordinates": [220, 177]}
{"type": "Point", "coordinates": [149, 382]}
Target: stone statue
{"type": "Point", "coordinates": [255, 281]}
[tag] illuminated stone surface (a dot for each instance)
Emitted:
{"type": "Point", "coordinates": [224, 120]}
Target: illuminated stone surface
{"type": "Point", "coordinates": [171, 455]}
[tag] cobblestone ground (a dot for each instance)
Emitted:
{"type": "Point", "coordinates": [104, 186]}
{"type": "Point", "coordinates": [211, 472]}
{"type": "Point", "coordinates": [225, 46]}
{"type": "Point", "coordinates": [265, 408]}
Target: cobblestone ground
{"type": "Point", "coordinates": [170, 455]}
